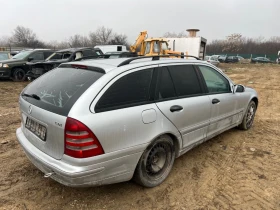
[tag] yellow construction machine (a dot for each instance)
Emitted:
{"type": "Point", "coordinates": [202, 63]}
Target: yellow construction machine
{"type": "Point", "coordinates": [152, 46]}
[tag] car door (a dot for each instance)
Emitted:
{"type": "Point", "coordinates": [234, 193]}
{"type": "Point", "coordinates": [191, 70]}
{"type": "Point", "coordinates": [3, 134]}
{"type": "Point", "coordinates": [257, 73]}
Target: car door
{"type": "Point", "coordinates": [224, 104]}
{"type": "Point", "coordinates": [125, 107]}
{"type": "Point", "coordinates": [181, 99]}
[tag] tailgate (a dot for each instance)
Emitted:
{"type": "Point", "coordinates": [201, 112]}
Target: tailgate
{"type": "Point", "coordinates": [44, 129]}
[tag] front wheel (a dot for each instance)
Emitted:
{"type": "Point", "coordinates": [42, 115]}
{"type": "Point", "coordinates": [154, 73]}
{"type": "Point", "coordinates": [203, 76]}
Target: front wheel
{"type": "Point", "coordinates": [249, 116]}
{"type": "Point", "coordinates": [156, 162]}
{"type": "Point", "coordinates": [18, 75]}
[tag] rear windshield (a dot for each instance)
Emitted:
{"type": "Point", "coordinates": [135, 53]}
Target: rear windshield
{"type": "Point", "coordinates": [60, 88]}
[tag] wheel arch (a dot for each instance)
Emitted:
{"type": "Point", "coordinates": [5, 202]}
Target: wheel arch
{"type": "Point", "coordinates": [256, 100]}
{"type": "Point", "coordinates": [176, 140]}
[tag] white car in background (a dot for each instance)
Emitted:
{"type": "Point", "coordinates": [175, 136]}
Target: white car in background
{"type": "Point", "coordinates": [213, 60]}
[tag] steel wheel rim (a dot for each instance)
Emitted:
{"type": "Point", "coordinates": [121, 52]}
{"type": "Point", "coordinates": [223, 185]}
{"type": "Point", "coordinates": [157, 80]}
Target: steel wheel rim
{"type": "Point", "coordinates": [158, 160]}
{"type": "Point", "coordinates": [250, 116]}
{"type": "Point", "coordinates": [19, 75]}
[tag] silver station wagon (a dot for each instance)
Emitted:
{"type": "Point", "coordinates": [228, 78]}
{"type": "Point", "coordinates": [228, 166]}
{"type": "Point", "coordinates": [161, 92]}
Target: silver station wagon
{"type": "Point", "coordinates": [104, 121]}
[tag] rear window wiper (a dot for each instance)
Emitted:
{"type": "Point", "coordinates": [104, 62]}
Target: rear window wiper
{"type": "Point", "coordinates": [31, 96]}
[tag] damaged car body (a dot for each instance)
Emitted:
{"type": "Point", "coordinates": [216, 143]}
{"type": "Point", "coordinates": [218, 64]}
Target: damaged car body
{"type": "Point", "coordinates": [62, 56]}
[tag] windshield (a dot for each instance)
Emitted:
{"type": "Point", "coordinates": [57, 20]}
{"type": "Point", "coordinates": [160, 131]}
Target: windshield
{"type": "Point", "coordinates": [148, 48]}
{"type": "Point", "coordinates": [59, 56]}
{"type": "Point", "coordinates": [164, 46]}
{"type": "Point", "coordinates": [66, 86]}
{"type": "Point", "coordinates": [156, 47]}
{"type": "Point", "coordinates": [4, 56]}
{"type": "Point", "coordinates": [22, 55]}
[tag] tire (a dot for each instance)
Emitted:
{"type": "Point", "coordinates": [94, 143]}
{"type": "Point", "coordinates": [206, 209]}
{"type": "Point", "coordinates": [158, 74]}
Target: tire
{"type": "Point", "coordinates": [18, 75]}
{"type": "Point", "coordinates": [156, 162]}
{"type": "Point", "coordinates": [249, 116]}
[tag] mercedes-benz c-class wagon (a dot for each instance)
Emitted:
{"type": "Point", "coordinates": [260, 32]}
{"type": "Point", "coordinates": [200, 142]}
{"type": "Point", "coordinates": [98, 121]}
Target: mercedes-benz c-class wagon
{"type": "Point", "coordinates": [104, 121]}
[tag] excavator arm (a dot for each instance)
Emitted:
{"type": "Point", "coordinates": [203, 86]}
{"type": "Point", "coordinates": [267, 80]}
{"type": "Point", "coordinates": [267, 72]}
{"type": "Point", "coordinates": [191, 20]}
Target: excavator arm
{"type": "Point", "coordinates": [139, 41]}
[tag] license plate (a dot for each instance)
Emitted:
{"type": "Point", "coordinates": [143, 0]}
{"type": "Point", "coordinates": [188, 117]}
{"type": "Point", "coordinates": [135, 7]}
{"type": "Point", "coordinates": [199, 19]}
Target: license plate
{"type": "Point", "coordinates": [36, 128]}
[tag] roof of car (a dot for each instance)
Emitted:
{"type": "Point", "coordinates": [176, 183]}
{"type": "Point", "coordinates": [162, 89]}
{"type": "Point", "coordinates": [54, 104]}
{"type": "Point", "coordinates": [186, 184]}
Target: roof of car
{"type": "Point", "coordinates": [76, 49]}
{"type": "Point", "coordinates": [37, 50]}
{"type": "Point", "coordinates": [110, 64]}
{"type": "Point", "coordinates": [116, 52]}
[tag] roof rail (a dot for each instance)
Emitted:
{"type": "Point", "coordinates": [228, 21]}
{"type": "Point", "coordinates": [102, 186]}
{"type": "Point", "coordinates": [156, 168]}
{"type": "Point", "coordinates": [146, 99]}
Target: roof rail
{"type": "Point", "coordinates": [155, 57]}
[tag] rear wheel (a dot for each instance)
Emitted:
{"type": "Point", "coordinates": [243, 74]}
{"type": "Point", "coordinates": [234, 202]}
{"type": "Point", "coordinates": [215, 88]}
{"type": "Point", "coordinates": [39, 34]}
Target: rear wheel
{"type": "Point", "coordinates": [18, 75]}
{"type": "Point", "coordinates": [156, 162]}
{"type": "Point", "coordinates": [249, 116]}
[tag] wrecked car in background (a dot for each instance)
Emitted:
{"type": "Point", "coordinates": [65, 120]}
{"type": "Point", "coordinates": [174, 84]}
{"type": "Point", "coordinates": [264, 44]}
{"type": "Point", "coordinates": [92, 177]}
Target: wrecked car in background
{"type": "Point", "coordinates": [62, 56]}
{"type": "Point", "coordinates": [16, 67]}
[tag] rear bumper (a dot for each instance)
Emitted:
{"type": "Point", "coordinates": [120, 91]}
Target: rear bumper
{"type": "Point", "coordinates": [101, 172]}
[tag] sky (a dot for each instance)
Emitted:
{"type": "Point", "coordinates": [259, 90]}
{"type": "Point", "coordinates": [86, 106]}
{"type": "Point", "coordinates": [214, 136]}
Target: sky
{"type": "Point", "coordinates": [60, 19]}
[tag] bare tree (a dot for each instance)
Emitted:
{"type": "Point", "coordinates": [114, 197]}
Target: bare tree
{"type": "Point", "coordinates": [23, 36]}
{"type": "Point", "coordinates": [5, 41]}
{"type": "Point", "coordinates": [79, 41]}
{"type": "Point", "coordinates": [93, 39]}
{"type": "Point", "coordinates": [233, 43]}
{"type": "Point", "coordinates": [118, 39]}
{"type": "Point", "coordinates": [101, 36]}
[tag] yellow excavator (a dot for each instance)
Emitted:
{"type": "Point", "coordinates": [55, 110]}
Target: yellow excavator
{"type": "Point", "coordinates": [152, 46]}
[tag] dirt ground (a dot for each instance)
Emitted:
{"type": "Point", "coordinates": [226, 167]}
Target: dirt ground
{"type": "Point", "coordinates": [235, 170]}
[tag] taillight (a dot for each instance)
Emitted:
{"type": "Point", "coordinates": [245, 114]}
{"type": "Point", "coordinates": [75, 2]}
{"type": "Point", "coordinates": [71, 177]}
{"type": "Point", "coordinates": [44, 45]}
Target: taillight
{"type": "Point", "coordinates": [79, 66]}
{"type": "Point", "coordinates": [80, 141]}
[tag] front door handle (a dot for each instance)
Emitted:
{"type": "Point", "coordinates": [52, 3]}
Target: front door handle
{"type": "Point", "coordinates": [215, 101]}
{"type": "Point", "coordinates": [175, 108]}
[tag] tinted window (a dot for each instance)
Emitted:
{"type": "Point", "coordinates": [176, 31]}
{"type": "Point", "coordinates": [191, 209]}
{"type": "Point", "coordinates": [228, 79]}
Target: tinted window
{"type": "Point", "coordinates": [60, 88]}
{"type": "Point", "coordinates": [185, 80]}
{"type": "Point", "coordinates": [215, 82]}
{"type": "Point", "coordinates": [47, 54]}
{"type": "Point", "coordinates": [98, 52]}
{"type": "Point", "coordinates": [38, 56]}
{"type": "Point", "coordinates": [130, 90]}
{"type": "Point", "coordinates": [89, 53]}
{"type": "Point", "coordinates": [166, 88]}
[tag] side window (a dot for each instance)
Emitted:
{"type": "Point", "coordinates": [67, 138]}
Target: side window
{"type": "Point", "coordinates": [38, 56]}
{"type": "Point", "coordinates": [130, 90]}
{"type": "Point", "coordinates": [185, 80]}
{"type": "Point", "coordinates": [215, 82]}
{"type": "Point", "coordinates": [47, 54]}
{"type": "Point", "coordinates": [166, 87]}
{"type": "Point", "coordinates": [88, 53]}
{"type": "Point", "coordinates": [98, 52]}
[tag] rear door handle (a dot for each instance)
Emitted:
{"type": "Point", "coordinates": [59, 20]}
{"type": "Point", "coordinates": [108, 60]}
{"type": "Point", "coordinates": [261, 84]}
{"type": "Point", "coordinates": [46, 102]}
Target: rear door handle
{"type": "Point", "coordinates": [175, 108]}
{"type": "Point", "coordinates": [215, 101]}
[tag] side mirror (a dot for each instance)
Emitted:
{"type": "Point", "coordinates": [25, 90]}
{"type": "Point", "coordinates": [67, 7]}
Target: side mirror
{"type": "Point", "coordinates": [30, 59]}
{"type": "Point", "coordinates": [238, 89]}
